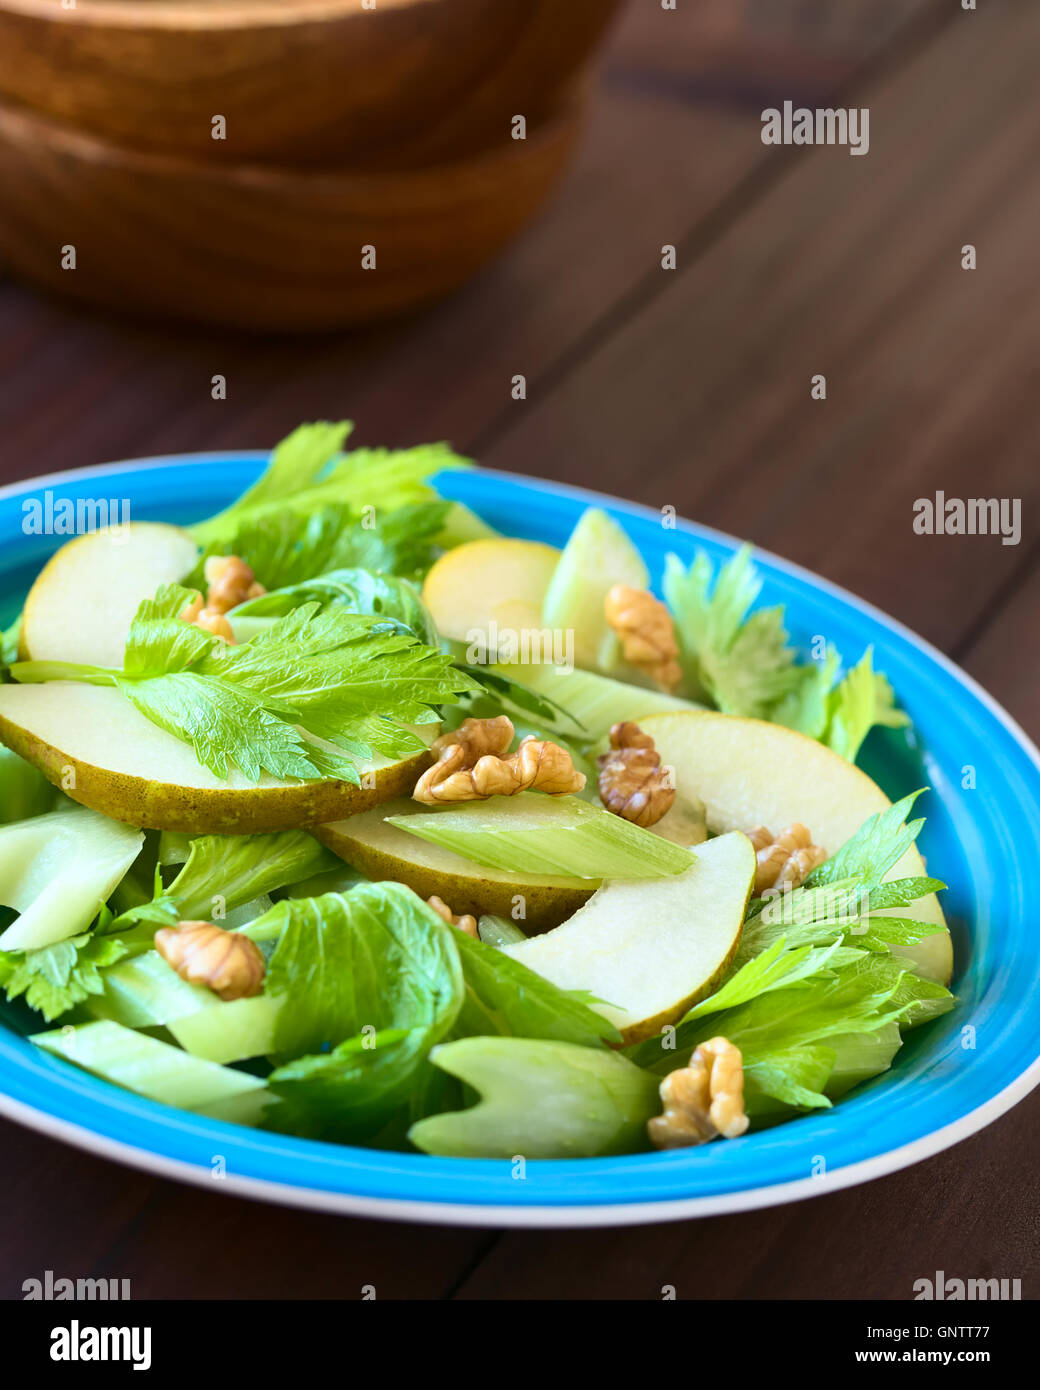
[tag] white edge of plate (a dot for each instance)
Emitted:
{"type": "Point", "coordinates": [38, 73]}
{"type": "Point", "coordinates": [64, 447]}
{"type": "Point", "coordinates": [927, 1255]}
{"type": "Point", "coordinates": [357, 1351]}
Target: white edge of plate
{"type": "Point", "coordinates": [616, 1214]}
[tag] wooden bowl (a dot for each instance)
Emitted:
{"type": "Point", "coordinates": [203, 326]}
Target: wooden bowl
{"type": "Point", "coordinates": [253, 246]}
{"type": "Point", "coordinates": [300, 81]}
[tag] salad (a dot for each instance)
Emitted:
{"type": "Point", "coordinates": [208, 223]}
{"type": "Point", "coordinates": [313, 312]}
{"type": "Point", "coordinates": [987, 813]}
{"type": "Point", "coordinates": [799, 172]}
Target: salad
{"type": "Point", "coordinates": [341, 815]}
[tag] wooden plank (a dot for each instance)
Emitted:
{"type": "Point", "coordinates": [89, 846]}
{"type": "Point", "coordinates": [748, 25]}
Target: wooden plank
{"type": "Point", "coordinates": [754, 52]}
{"type": "Point", "coordinates": [850, 267]}
{"type": "Point", "coordinates": [1005, 655]}
{"type": "Point", "coordinates": [85, 1218]}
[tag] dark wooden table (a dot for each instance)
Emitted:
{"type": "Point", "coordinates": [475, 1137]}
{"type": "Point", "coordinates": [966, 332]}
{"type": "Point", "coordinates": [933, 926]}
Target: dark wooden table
{"type": "Point", "coordinates": [691, 387]}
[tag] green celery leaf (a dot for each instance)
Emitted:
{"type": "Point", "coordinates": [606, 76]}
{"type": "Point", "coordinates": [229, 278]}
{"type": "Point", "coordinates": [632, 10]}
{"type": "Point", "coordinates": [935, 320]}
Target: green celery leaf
{"type": "Point", "coordinates": [375, 956]}
{"type": "Point", "coordinates": [373, 973]}
{"type": "Point", "coordinates": [786, 1077]}
{"type": "Point", "coordinates": [158, 643]}
{"type": "Point", "coordinates": [289, 548]}
{"type": "Point", "coordinates": [775, 968]}
{"type": "Point", "coordinates": [53, 979]}
{"type": "Point", "coordinates": [338, 676]}
{"type": "Point", "coordinates": [863, 995]}
{"type": "Point", "coordinates": [880, 842]}
{"type": "Point", "coordinates": [861, 699]}
{"type": "Point", "coordinates": [226, 727]}
{"type": "Point", "coordinates": [741, 662]}
{"type": "Point", "coordinates": [222, 872]}
{"type": "Point", "coordinates": [504, 695]}
{"type": "Point", "coordinates": [383, 596]}
{"type": "Point", "coordinates": [504, 997]}
{"type": "Point", "coordinates": [307, 471]}
{"type": "Point", "coordinates": [807, 705]}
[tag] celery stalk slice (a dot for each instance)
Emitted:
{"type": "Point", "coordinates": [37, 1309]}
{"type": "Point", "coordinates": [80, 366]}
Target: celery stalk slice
{"type": "Point", "coordinates": [230, 1032]}
{"type": "Point", "coordinates": [534, 833]}
{"type": "Point", "coordinates": [57, 870]}
{"type": "Point", "coordinates": [158, 1071]}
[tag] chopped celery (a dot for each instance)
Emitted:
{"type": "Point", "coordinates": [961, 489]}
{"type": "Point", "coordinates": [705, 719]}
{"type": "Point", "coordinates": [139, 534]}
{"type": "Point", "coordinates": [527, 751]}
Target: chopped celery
{"type": "Point", "coordinates": [540, 1099]}
{"type": "Point", "coordinates": [248, 912]}
{"type": "Point", "coordinates": [158, 1071]}
{"type": "Point", "coordinates": [499, 931]}
{"type": "Point", "coordinates": [229, 1032]}
{"type": "Point", "coordinates": [174, 847]}
{"type": "Point", "coordinates": [57, 870]}
{"type": "Point", "coordinates": [595, 701]}
{"type": "Point", "coordinates": [533, 833]}
{"type": "Point", "coordinates": [24, 791]}
{"type": "Point", "coordinates": [597, 556]}
{"type": "Point", "coordinates": [144, 992]}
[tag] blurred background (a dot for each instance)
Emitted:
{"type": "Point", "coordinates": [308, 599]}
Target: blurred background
{"type": "Point", "coordinates": [221, 217]}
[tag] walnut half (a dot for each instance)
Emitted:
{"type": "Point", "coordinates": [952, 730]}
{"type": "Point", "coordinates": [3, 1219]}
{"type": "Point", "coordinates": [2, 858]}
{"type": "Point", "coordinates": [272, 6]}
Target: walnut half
{"type": "Point", "coordinates": [473, 765]}
{"type": "Point", "coordinates": [784, 860]}
{"type": "Point", "coordinates": [632, 782]}
{"type": "Point", "coordinates": [466, 923]}
{"type": "Point", "coordinates": [702, 1100]}
{"type": "Point", "coordinates": [231, 581]}
{"type": "Point", "coordinates": [204, 954]}
{"type": "Point", "coordinates": [647, 633]}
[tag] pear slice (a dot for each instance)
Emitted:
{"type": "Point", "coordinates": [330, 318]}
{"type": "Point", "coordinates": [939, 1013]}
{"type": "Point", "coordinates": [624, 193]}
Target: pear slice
{"type": "Point", "coordinates": [84, 599]}
{"type": "Point", "coordinates": [487, 586]}
{"type": "Point", "coordinates": [750, 773]}
{"type": "Point", "coordinates": [385, 851]}
{"type": "Point", "coordinates": [91, 742]}
{"type": "Point", "coordinates": [651, 950]}
{"type": "Point", "coordinates": [597, 556]}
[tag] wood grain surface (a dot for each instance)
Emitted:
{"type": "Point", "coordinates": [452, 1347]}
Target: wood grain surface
{"type": "Point", "coordinates": [692, 387]}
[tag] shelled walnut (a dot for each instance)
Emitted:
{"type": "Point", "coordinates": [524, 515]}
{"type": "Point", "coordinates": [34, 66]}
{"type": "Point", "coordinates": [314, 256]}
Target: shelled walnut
{"type": "Point", "coordinates": [231, 581]}
{"type": "Point", "coordinates": [647, 633]}
{"type": "Point", "coordinates": [632, 782]}
{"type": "Point", "coordinates": [473, 765]}
{"type": "Point", "coordinates": [466, 922]}
{"type": "Point", "coordinates": [702, 1100]}
{"type": "Point", "coordinates": [784, 860]}
{"type": "Point", "coordinates": [204, 954]}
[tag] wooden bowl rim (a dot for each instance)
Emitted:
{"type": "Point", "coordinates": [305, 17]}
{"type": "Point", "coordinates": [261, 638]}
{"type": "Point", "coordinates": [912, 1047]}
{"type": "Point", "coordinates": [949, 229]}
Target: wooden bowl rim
{"type": "Point", "coordinates": [197, 14]}
{"type": "Point", "coordinates": [87, 147]}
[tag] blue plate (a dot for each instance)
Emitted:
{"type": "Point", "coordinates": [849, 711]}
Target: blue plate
{"type": "Point", "coordinates": [951, 1078]}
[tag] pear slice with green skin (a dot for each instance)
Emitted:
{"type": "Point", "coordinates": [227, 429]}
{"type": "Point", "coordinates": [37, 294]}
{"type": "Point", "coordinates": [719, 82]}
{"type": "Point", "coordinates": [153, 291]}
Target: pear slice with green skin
{"type": "Point", "coordinates": [84, 599]}
{"type": "Point", "coordinates": [750, 773]}
{"type": "Point", "coordinates": [648, 951]}
{"type": "Point", "coordinates": [385, 851]}
{"type": "Point", "coordinates": [91, 742]}
{"type": "Point", "coordinates": [500, 582]}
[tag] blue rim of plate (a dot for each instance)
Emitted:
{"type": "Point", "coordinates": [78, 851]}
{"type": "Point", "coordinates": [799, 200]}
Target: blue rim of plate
{"type": "Point", "coordinates": [951, 1078]}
